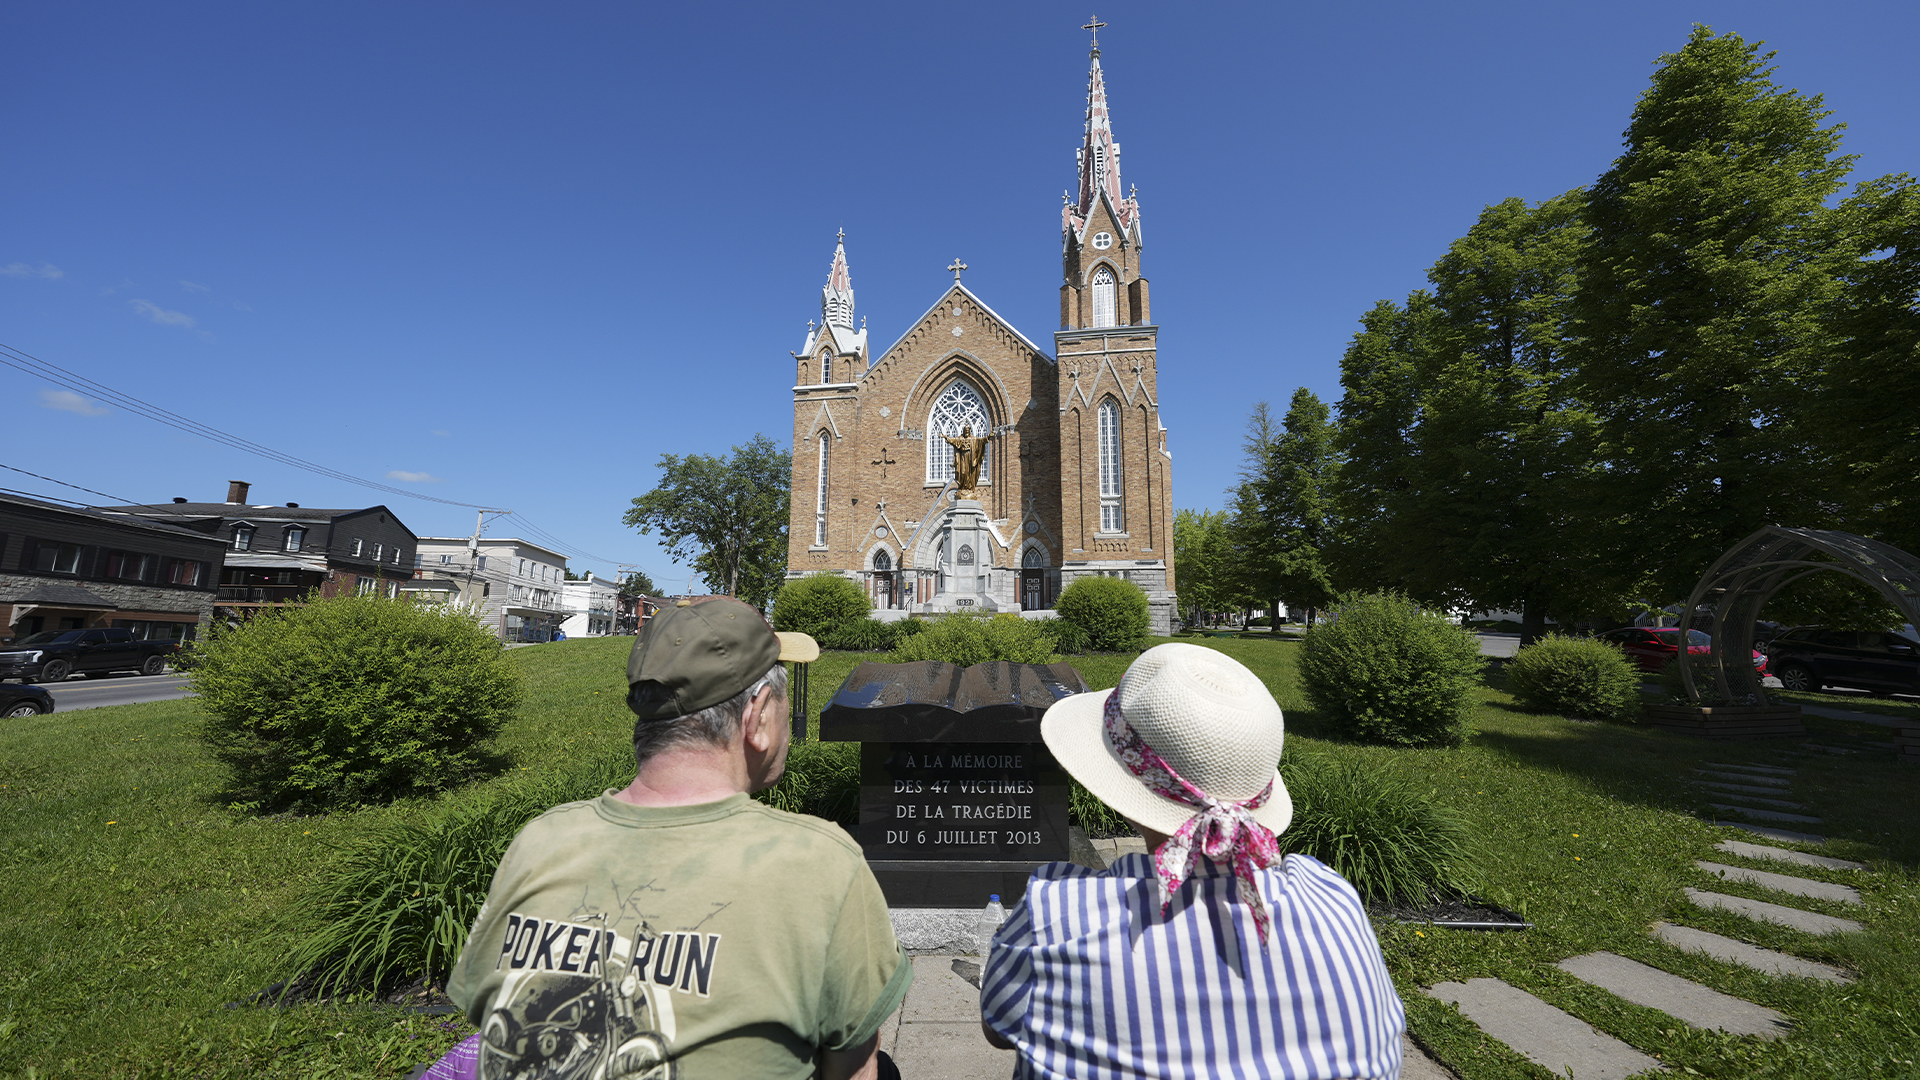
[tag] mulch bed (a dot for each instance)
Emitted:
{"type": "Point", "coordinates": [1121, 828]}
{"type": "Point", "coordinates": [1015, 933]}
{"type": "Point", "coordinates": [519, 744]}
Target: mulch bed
{"type": "Point", "coordinates": [1460, 913]}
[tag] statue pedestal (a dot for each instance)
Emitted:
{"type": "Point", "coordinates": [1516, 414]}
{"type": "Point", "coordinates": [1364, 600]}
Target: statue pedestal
{"type": "Point", "coordinates": [965, 545]}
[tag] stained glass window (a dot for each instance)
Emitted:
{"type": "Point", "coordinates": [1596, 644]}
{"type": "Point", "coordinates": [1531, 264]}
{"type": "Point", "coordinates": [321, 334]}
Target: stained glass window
{"type": "Point", "coordinates": [958, 406]}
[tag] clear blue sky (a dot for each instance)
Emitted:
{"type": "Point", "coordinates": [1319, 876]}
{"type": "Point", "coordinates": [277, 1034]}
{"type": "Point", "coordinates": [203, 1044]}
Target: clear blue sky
{"type": "Point", "coordinates": [509, 254]}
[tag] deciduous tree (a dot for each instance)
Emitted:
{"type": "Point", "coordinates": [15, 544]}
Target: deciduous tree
{"type": "Point", "coordinates": [726, 515]}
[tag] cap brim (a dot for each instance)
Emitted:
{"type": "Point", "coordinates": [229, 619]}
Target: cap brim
{"type": "Point", "coordinates": [797, 647]}
{"type": "Point", "coordinates": [1074, 729]}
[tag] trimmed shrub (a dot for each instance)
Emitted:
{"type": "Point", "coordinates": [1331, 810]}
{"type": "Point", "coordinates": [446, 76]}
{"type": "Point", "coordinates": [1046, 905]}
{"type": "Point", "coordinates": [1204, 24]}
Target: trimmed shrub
{"type": "Point", "coordinates": [965, 639]}
{"type": "Point", "coordinates": [1392, 842]}
{"type": "Point", "coordinates": [864, 635]}
{"type": "Point", "coordinates": [1067, 636]}
{"type": "Point", "coordinates": [1386, 670]}
{"type": "Point", "coordinates": [909, 626]}
{"type": "Point", "coordinates": [1574, 677]}
{"type": "Point", "coordinates": [819, 604]}
{"type": "Point", "coordinates": [1112, 612]}
{"type": "Point", "coordinates": [351, 700]}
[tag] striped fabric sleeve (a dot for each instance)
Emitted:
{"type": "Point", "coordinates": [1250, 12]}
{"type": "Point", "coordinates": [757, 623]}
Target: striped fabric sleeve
{"type": "Point", "coordinates": [1006, 975]}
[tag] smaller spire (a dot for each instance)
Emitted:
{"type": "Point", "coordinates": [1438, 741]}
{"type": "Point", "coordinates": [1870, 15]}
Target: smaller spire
{"type": "Point", "coordinates": [836, 300]}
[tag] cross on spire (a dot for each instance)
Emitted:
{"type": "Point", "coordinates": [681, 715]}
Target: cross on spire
{"type": "Point", "coordinates": [1094, 27]}
{"type": "Point", "coordinates": [956, 267]}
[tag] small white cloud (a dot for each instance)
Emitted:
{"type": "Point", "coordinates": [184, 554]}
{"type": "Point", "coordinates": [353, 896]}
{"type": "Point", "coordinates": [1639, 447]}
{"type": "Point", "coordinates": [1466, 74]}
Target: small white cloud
{"type": "Point", "coordinates": [240, 305]}
{"type": "Point", "coordinates": [442, 434]}
{"type": "Point", "coordinates": [44, 270]}
{"type": "Point", "coordinates": [406, 477]}
{"type": "Point", "coordinates": [193, 286]}
{"type": "Point", "coordinates": [68, 401]}
{"type": "Point", "coordinates": [161, 315]}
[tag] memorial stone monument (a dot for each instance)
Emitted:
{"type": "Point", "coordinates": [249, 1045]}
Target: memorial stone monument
{"type": "Point", "coordinates": [959, 798]}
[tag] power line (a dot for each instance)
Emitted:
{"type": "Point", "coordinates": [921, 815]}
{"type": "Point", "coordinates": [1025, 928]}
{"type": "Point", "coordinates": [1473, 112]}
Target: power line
{"type": "Point", "coordinates": [63, 483]}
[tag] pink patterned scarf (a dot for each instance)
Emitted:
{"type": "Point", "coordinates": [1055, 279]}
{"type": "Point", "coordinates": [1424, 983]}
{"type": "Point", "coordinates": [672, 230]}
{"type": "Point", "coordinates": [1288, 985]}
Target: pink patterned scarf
{"type": "Point", "coordinates": [1219, 830]}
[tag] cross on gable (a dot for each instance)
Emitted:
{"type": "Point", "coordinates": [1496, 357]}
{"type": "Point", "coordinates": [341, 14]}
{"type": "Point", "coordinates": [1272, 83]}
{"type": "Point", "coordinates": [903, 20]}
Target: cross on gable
{"type": "Point", "coordinates": [956, 266]}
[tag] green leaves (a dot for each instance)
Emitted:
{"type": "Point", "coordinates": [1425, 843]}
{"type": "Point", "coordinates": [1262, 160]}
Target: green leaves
{"type": "Point", "coordinates": [725, 515]}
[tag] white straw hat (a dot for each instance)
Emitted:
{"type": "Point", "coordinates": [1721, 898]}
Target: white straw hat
{"type": "Point", "coordinates": [1202, 711]}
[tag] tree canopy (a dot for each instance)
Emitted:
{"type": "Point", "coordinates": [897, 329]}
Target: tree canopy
{"type": "Point", "coordinates": [726, 516]}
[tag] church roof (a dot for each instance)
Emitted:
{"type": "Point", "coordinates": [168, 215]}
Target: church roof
{"type": "Point", "coordinates": [969, 294]}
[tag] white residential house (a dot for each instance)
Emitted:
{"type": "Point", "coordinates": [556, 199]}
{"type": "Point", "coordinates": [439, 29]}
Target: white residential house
{"type": "Point", "coordinates": [514, 585]}
{"type": "Point", "coordinates": [590, 607]}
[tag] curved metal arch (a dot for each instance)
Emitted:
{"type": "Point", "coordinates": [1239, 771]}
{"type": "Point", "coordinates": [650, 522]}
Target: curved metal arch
{"type": "Point", "coordinates": [1741, 582]}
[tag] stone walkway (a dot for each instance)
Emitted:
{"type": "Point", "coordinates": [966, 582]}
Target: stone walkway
{"type": "Point", "coordinates": [1568, 1046]}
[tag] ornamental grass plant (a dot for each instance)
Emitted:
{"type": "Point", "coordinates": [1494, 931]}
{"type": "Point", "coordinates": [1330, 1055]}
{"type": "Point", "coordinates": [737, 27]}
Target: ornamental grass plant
{"type": "Point", "coordinates": [1578, 677]}
{"type": "Point", "coordinates": [1393, 842]}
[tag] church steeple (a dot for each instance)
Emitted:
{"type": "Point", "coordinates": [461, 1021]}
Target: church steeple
{"type": "Point", "coordinates": [1099, 161]}
{"type": "Point", "coordinates": [836, 299]}
{"type": "Point", "coordinates": [1100, 229]}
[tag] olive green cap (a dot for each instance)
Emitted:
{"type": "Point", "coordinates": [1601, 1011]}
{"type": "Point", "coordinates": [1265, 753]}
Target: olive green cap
{"type": "Point", "coordinates": [698, 653]}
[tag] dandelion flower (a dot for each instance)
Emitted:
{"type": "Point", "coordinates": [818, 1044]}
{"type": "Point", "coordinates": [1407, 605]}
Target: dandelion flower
{"type": "Point", "coordinates": [113, 823]}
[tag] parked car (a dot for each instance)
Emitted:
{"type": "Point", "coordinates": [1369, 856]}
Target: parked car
{"type": "Point", "coordinates": [1809, 657]}
{"type": "Point", "coordinates": [1652, 647]}
{"type": "Point", "coordinates": [20, 699]}
{"type": "Point", "coordinates": [52, 655]}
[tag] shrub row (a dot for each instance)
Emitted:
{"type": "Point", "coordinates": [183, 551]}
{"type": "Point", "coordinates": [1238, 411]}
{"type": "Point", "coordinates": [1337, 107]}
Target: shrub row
{"type": "Point", "coordinates": [1097, 614]}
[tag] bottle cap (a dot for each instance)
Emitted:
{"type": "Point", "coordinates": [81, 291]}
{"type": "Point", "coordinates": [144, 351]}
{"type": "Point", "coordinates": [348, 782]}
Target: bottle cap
{"type": "Point", "coordinates": [993, 898]}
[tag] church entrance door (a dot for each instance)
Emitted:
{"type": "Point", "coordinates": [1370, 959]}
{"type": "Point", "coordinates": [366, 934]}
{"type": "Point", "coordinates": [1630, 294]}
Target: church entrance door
{"type": "Point", "coordinates": [1032, 590]}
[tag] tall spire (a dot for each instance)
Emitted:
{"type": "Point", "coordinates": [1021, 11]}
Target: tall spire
{"type": "Point", "coordinates": [1099, 155]}
{"type": "Point", "coordinates": [836, 299]}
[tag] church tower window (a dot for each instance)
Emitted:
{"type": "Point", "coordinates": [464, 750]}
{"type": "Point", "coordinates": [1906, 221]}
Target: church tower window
{"type": "Point", "coordinates": [1103, 305]}
{"type": "Point", "coordinates": [958, 406]}
{"type": "Point", "coordinates": [820, 496]}
{"type": "Point", "coordinates": [1110, 516]}
{"type": "Point", "coordinates": [826, 366]}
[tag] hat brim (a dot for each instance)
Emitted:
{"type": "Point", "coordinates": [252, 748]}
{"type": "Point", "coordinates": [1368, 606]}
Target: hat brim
{"type": "Point", "coordinates": [1074, 729]}
{"type": "Point", "coordinates": [797, 647]}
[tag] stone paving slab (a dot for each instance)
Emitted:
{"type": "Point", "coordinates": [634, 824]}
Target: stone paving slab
{"type": "Point", "coordinates": [1790, 917]}
{"type": "Point", "coordinates": [1771, 833]}
{"type": "Point", "coordinates": [1747, 778]}
{"type": "Point", "coordinates": [1698, 1005]}
{"type": "Point", "coordinates": [1765, 815]}
{"type": "Point", "coordinates": [1416, 1065]}
{"type": "Point", "coordinates": [936, 1034]}
{"type": "Point", "coordinates": [1563, 1044]}
{"type": "Point", "coordinates": [1786, 883]}
{"type": "Point", "coordinates": [1740, 789]}
{"type": "Point", "coordinates": [1688, 939]}
{"type": "Point", "coordinates": [1765, 851]}
{"type": "Point", "coordinates": [1753, 800]}
{"type": "Point", "coordinates": [1778, 770]}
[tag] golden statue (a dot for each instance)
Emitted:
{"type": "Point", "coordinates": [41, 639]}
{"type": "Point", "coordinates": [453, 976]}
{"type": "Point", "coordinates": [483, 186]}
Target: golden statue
{"type": "Point", "coordinates": [968, 450]}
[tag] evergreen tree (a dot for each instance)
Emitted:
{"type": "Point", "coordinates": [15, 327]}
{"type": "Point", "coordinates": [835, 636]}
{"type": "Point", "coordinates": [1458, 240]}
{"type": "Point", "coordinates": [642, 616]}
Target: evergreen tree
{"type": "Point", "coordinates": [1297, 493]}
{"type": "Point", "coordinates": [1697, 323]}
{"type": "Point", "coordinates": [1253, 569]}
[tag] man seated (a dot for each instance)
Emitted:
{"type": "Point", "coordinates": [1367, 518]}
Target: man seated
{"type": "Point", "coordinates": [677, 928]}
{"type": "Point", "coordinates": [1211, 955]}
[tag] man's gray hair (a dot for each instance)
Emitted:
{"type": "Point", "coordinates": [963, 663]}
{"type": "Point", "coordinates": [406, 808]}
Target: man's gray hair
{"type": "Point", "coordinates": [715, 725]}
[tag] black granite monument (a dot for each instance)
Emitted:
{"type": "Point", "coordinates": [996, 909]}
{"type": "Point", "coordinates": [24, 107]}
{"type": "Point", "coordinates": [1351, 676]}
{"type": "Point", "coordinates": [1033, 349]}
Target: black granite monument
{"type": "Point", "coordinates": [959, 798]}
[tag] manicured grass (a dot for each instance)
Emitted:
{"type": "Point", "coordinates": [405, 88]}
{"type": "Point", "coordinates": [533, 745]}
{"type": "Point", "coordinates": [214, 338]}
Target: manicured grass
{"type": "Point", "coordinates": [1906, 708]}
{"type": "Point", "coordinates": [126, 941]}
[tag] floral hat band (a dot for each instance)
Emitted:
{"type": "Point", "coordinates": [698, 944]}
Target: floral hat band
{"type": "Point", "coordinates": [1223, 830]}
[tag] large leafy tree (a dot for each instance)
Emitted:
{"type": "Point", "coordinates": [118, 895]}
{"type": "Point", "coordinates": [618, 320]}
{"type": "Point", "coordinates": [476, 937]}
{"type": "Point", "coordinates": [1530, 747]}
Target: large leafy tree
{"type": "Point", "coordinates": [1203, 548]}
{"type": "Point", "coordinates": [1697, 324]}
{"type": "Point", "coordinates": [1375, 545]}
{"type": "Point", "coordinates": [726, 515]}
{"type": "Point", "coordinates": [1502, 458]}
{"type": "Point", "coordinates": [638, 583]}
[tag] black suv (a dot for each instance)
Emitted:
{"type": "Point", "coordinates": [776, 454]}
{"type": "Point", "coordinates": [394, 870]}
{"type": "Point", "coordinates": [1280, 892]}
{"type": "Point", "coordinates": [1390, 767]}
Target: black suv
{"type": "Point", "coordinates": [1809, 657]}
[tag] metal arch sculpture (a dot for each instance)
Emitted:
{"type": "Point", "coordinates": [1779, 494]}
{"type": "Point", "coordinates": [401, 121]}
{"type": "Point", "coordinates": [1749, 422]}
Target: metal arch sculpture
{"type": "Point", "coordinates": [1741, 582]}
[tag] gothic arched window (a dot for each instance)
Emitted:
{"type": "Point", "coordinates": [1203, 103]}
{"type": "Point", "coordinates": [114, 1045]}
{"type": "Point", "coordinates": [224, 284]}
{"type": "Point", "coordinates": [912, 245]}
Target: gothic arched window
{"type": "Point", "coordinates": [820, 496]}
{"type": "Point", "coordinates": [958, 406]}
{"type": "Point", "coordinates": [1033, 559]}
{"type": "Point", "coordinates": [826, 366]}
{"type": "Point", "coordinates": [882, 560]}
{"type": "Point", "coordinates": [1111, 519]}
{"type": "Point", "coordinates": [1103, 306]}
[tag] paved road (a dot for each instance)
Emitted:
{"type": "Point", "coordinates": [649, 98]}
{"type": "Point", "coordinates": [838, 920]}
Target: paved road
{"type": "Point", "coordinates": [84, 693]}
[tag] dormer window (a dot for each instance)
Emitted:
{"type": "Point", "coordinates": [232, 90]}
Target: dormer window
{"type": "Point", "coordinates": [296, 538]}
{"type": "Point", "coordinates": [243, 538]}
{"type": "Point", "coordinates": [358, 546]}
{"type": "Point", "coordinates": [378, 550]}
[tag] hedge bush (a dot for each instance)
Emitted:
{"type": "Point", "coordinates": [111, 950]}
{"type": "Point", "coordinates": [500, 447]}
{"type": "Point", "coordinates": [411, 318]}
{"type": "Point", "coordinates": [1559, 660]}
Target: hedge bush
{"type": "Point", "coordinates": [350, 700]}
{"type": "Point", "coordinates": [1067, 637]}
{"type": "Point", "coordinates": [819, 604]}
{"type": "Point", "coordinates": [865, 635]}
{"type": "Point", "coordinates": [1112, 612]}
{"type": "Point", "coordinates": [1386, 670]}
{"type": "Point", "coordinates": [963, 639]}
{"type": "Point", "coordinates": [1575, 677]}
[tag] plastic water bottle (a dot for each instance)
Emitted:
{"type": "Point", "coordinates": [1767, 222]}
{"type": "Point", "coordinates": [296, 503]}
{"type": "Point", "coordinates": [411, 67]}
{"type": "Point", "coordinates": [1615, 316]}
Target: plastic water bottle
{"type": "Point", "coordinates": [990, 920]}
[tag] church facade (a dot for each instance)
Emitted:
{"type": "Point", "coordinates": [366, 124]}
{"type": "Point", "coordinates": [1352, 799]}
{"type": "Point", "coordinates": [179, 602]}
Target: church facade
{"type": "Point", "coordinates": [1075, 473]}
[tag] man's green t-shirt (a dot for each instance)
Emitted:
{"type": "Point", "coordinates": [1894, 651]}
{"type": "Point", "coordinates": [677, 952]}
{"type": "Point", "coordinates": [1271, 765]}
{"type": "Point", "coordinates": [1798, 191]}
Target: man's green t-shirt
{"type": "Point", "coordinates": [722, 940]}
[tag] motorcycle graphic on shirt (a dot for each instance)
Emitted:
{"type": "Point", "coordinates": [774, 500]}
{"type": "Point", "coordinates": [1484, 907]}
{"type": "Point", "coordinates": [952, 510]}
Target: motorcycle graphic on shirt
{"type": "Point", "coordinates": [583, 1002]}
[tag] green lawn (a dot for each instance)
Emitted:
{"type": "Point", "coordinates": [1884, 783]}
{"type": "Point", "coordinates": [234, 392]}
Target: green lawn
{"type": "Point", "coordinates": [140, 907]}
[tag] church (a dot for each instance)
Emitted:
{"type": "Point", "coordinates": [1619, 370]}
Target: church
{"type": "Point", "coordinates": [965, 467]}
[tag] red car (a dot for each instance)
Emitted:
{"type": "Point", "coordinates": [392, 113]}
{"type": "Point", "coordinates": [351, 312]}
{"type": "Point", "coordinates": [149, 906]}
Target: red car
{"type": "Point", "coordinates": [1651, 647]}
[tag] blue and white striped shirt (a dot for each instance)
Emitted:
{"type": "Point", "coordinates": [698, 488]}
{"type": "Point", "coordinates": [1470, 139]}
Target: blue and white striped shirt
{"type": "Point", "coordinates": [1087, 979]}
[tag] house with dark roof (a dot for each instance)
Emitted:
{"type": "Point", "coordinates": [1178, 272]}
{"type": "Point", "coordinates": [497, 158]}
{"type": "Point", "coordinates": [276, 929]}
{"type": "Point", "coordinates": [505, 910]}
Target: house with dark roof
{"type": "Point", "coordinates": [65, 568]}
{"type": "Point", "coordinates": [276, 554]}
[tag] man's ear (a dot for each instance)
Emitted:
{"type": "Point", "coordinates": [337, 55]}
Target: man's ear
{"type": "Point", "coordinates": [754, 720]}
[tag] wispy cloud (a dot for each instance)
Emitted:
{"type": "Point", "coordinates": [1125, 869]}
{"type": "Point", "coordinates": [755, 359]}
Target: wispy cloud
{"type": "Point", "coordinates": [161, 315]}
{"type": "Point", "coordinates": [194, 286]}
{"type": "Point", "coordinates": [44, 270]}
{"type": "Point", "coordinates": [406, 477]}
{"type": "Point", "coordinates": [68, 401]}
{"type": "Point", "coordinates": [442, 434]}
